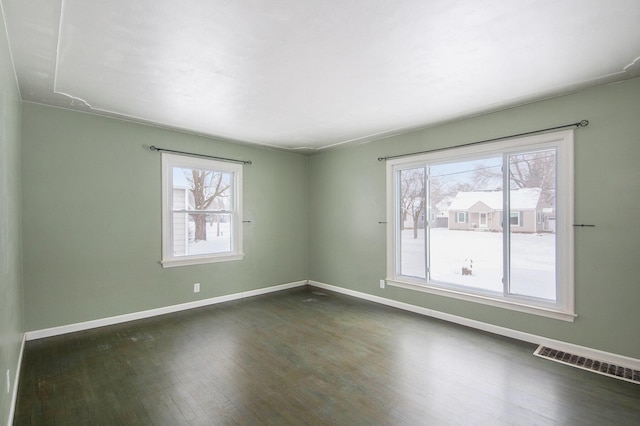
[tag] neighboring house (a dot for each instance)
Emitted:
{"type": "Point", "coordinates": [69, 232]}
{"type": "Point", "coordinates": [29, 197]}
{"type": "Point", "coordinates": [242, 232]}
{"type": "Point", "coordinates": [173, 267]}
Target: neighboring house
{"type": "Point", "coordinates": [409, 207]}
{"type": "Point", "coordinates": [548, 219]}
{"type": "Point", "coordinates": [438, 216]}
{"type": "Point", "coordinates": [482, 210]}
{"type": "Point", "coordinates": [440, 213]}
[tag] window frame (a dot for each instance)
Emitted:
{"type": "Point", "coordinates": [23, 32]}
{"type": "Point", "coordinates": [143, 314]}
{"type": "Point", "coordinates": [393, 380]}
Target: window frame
{"type": "Point", "coordinates": [562, 141]}
{"type": "Point", "coordinates": [169, 161]}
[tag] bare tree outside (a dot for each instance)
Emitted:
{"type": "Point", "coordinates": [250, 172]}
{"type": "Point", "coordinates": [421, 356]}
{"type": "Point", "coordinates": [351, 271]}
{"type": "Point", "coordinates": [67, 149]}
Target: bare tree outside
{"type": "Point", "coordinates": [464, 197]}
{"type": "Point", "coordinates": [413, 196]}
{"type": "Point", "coordinates": [443, 186]}
{"type": "Point", "coordinates": [529, 170]}
{"type": "Point", "coordinates": [208, 188]}
{"type": "Point", "coordinates": [535, 170]}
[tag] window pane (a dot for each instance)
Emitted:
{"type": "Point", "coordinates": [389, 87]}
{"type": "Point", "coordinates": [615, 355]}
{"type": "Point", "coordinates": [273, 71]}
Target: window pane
{"type": "Point", "coordinates": [203, 189]}
{"type": "Point", "coordinates": [499, 229]}
{"type": "Point", "coordinates": [532, 177]}
{"type": "Point", "coordinates": [466, 249]}
{"type": "Point", "coordinates": [202, 207]}
{"type": "Point", "coordinates": [514, 218]}
{"type": "Point", "coordinates": [201, 233]}
{"type": "Point", "coordinates": [412, 222]}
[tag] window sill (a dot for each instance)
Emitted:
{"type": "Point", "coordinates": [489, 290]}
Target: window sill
{"type": "Point", "coordinates": [199, 260]}
{"type": "Point", "coordinates": [487, 300]}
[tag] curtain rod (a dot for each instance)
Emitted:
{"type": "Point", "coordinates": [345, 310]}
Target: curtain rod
{"type": "Point", "coordinates": [155, 148]}
{"type": "Point", "coordinates": [583, 123]}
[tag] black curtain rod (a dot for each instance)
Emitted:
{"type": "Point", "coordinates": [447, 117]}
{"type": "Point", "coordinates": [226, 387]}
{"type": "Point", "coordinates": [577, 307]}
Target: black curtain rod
{"type": "Point", "coordinates": [583, 123]}
{"type": "Point", "coordinates": [155, 148]}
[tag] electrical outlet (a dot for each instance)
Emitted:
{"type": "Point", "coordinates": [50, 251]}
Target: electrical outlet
{"type": "Point", "coordinates": [381, 283]}
{"type": "Point", "coordinates": [8, 381]}
{"type": "Point", "coordinates": [196, 288]}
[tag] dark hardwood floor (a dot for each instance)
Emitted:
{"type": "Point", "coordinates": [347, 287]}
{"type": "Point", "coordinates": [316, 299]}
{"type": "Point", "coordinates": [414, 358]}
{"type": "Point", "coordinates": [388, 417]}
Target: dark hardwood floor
{"type": "Point", "coordinates": [304, 357]}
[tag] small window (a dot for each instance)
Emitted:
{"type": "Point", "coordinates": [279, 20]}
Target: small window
{"type": "Point", "coordinates": [202, 215]}
{"type": "Point", "coordinates": [514, 219]}
{"type": "Point", "coordinates": [461, 217]}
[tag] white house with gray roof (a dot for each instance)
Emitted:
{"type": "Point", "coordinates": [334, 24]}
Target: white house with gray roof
{"type": "Point", "coordinates": [482, 210]}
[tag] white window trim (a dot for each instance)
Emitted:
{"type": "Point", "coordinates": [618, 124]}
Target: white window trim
{"type": "Point", "coordinates": [171, 160]}
{"type": "Point", "coordinates": [564, 308]}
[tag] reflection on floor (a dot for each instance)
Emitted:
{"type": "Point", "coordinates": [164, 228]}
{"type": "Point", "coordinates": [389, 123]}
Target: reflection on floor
{"type": "Point", "coordinates": [306, 356]}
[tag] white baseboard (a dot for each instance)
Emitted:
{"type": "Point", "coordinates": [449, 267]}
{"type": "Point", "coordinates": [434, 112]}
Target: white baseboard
{"type": "Point", "coordinates": [86, 325]}
{"type": "Point", "coordinates": [608, 357]}
{"type": "Point", "coordinates": [611, 358]}
{"type": "Point", "coordinates": [16, 382]}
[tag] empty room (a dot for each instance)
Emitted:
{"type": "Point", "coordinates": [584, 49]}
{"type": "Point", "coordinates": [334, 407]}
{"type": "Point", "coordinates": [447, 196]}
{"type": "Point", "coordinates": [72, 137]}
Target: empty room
{"type": "Point", "coordinates": [319, 212]}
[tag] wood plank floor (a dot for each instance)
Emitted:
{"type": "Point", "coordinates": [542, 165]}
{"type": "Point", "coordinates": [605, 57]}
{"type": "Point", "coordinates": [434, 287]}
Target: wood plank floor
{"type": "Point", "coordinates": [305, 357]}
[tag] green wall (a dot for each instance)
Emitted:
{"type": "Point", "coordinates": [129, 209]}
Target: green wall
{"type": "Point", "coordinates": [11, 300]}
{"type": "Point", "coordinates": [92, 219]}
{"type": "Point", "coordinates": [347, 199]}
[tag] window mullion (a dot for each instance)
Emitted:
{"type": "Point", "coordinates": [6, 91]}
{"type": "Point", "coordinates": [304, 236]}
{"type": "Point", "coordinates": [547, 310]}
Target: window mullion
{"type": "Point", "coordinates": [190, 211]}
{"type": "Point", "coordinates": [427, 224]}
{"type": "Point", "coordinates": [397, 221]}
{"type": "Point", "coordinates": [506, 225]}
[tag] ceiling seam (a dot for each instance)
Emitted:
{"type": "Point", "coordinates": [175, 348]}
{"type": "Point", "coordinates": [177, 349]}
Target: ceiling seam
{"type": "Point", "coordinates": [55, 68]}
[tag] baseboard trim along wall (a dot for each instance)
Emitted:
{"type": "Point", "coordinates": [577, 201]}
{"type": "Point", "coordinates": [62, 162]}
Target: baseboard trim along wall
{"type": "Point", "coordinates": [102, 322]}
{"type": "Point", "coordinates": [608, 357]}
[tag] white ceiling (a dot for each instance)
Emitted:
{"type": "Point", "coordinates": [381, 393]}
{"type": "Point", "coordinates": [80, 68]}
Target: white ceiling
{"type": "Point", "coordinates": [311, 74]}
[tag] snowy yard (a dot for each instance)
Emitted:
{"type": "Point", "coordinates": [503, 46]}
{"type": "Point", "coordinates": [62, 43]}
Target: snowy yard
{"type": "Point", "coordinates": [213, 243]}
{"type": "Point", "coordinates": [532, 260]}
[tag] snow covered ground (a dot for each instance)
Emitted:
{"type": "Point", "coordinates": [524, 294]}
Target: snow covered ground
{"type": "Point", "coordinates": [213, 243]}
{"type": "Point", "coordinates": [532, 260]}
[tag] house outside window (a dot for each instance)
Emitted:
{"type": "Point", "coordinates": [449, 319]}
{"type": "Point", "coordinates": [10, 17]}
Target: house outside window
{"type": "Point", "coordinates": [526, 266]}
{"type": "Point", "coordinates": [201, 210]}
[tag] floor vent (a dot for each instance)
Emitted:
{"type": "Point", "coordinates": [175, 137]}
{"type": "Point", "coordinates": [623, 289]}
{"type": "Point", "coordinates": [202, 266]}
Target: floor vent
{"type": "Point", "coordinates": [589, 364]}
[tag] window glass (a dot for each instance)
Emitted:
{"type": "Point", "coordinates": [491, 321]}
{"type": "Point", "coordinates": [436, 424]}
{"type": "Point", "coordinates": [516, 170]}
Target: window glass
{"type": "Point", "coordinates": [532, 178]}
{"type": "Point", "coordinates": [459, 253]}
{"type": "Point", "coordinates": [412, 199]}
{"type": "Point", "coordinates": [467, 246]}
{"type": "Point", "coordinates": [201, 214]}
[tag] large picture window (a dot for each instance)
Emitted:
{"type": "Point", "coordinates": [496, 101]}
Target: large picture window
{"type": "Point", "coordinates": [201, 215]}
{"type": "Point", "coordinates": [503, 234]}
